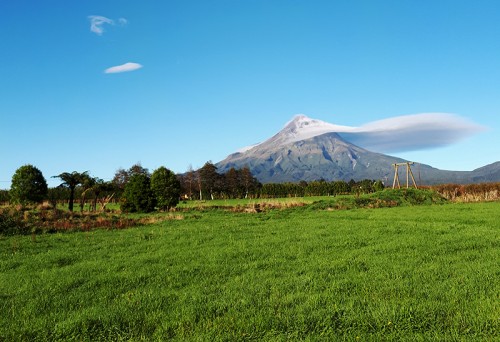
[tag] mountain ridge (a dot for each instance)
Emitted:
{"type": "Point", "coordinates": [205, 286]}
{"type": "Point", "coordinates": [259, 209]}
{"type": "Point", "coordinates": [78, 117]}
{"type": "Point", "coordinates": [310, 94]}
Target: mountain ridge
{"type": "Point", "coordinates": [308, 149]}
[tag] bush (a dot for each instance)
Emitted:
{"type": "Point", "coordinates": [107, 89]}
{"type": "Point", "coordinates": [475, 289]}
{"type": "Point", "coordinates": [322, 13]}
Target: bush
{"type": "Point", "coordinates": [469, 192]}
{"type": "Point", "coordinates": [12, 223]}
{"type": "Point", "coordinates": [382, 199]}
{"type": "Point", "coordinates": [410, 196]}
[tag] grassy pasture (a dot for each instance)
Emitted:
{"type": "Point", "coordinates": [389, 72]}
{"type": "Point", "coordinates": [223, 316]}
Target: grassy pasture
{"type": "Point", "coordinates": [222, 203]}
{"type": "Point", "coordinates": [403, 273]}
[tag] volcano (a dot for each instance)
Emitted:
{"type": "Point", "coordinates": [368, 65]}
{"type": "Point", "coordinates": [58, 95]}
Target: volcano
{"type": "Point", "coordinates": [308, 149]}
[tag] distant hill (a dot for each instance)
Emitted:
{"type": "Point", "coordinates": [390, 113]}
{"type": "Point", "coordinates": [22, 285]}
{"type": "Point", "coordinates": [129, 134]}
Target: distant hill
{"type": "Point", "coordinates": [302, 151]}
{"type": "Point", "coordinates": [488, 173]}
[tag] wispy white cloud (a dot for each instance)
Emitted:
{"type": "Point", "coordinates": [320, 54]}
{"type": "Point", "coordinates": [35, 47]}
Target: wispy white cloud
{"type": "Point", "coordinates": [123, 68]}
{"type": "Point", "coordinates": [97, 23]}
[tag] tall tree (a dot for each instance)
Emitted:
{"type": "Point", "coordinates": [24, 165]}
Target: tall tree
{"type": "Point", "coordinates": [166, 188]}
{"type": "Point", "coordinates": [71, 180]}
{"type": "Point", "coordinates": [122, 176]}
{"type": "Point", "coordinates": [232, 178]}
{"type": "Point", "coordinates": [138, 196]}
{"type": "Point", "coordinates": [248, 181]}
{"type": "Point", "coordinates": [28, 185]}
{"type": "Point", "coordinates": [209, 178]}
{"type": "Point", "coordinates": [138, 169]}
{"type": "Point", "coordinates": [198, 184]}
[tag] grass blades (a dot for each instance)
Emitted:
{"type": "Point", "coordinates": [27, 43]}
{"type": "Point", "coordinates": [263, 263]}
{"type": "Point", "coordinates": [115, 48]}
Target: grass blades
{"type": "Point", "coordinates": [405, 273]}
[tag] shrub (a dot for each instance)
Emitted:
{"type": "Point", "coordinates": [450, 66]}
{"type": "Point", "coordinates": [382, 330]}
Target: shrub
{"type": "Point", "coordinates": [12, 222]}
{"type": "Point", "coordinates": [4, 196]}
{"type": "Point", "coordinates": [410, 196]}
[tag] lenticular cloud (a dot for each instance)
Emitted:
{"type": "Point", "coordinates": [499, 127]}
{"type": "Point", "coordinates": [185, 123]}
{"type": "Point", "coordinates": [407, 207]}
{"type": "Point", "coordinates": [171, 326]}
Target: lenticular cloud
{"type": "Point", "coordinates": [411, 132]}
{"type": "Point", "coordinates": [398, 134]}
{"type": "Point", "coordinates": [123, 68]}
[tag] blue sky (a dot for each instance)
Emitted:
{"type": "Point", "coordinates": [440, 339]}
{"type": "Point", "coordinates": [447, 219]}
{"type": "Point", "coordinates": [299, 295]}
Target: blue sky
{"type": "Point", "coordinates": [220, 75]}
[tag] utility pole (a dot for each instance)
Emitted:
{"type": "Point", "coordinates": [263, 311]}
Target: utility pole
{"type": "Point", "coordinates": [408, 174]}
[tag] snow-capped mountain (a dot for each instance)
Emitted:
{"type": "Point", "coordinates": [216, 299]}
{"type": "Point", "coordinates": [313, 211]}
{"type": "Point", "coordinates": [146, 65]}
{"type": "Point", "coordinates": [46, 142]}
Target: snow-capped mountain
{"type": "Point", "coordinates": [301, 128]}
{"type": "Point", "coordinates": [309, 149]}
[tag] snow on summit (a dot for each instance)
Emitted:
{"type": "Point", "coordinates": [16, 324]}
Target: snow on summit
{"type": "Point", "coordinates": [302, 127]}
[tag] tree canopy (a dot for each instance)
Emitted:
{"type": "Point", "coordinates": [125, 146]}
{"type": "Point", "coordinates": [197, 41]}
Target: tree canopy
{"type": "Point", "coordinates": [166, 188]}
{"type": "Point", "coordinates": [122, 176]}
{"type": "Point", "coordinates": [28, 185]}
{"type": "Point", "coordinates": [138, 196]}
{"type": "Point", "coordinates": [71, 180]}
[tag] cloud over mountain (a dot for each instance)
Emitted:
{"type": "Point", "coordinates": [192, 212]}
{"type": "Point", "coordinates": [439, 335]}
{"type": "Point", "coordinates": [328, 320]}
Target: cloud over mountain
{"type": "Point", "coordinates": [412, 132]}
{"type": "Point", "coordinates": [309, 149]}
{"type": "Point", "coordinates": [396, 134]}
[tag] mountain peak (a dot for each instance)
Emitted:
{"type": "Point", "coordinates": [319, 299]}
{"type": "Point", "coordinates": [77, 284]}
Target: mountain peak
{"type": "Point", "coordinates": [302, 127]}
{"type": "Point", "coordinates": [301, 121]}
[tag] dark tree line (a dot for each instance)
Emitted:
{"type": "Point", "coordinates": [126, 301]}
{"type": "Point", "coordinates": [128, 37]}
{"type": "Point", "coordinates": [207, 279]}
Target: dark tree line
{"type": "Point", "coordinates": [138, 190]}
{"type": "Point", "coordinates": [207, 184]}
{"type": "Point", "coordinates": [135, 188]}
{"type": "Point", "coordinates": [143, 192]}
{"type": "Point", "coordinates": [319, 188]}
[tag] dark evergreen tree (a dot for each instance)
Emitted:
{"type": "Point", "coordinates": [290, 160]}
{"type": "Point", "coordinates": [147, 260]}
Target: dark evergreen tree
{"type": "Point", "coordinates": [166, 188]}
{"type": "Point", "coordinates": [209, 179]}
{"type": "Point", "coordinates": [137, 195]}
{"type": "Point", "coordinates": [249, 182]}
{"type": "Point", "coordinates": [28, 186]}
{"type": "Point", "coordinates": [232, 183]}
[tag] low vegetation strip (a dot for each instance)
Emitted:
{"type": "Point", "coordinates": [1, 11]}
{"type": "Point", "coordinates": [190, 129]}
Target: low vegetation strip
{"type": "Point", "coordinates": [48, 219]}
{"type": "Point", "coordinates": [401, 273]}
{"type": "Point", "coordinates": [469, 192]}
{"type": "Point", "coordinates": [379, 199]}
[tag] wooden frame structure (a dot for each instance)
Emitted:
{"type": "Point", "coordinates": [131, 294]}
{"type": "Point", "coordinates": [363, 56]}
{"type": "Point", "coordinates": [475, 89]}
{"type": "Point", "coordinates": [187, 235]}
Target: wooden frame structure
{"type": "Point", "coordinates": [408, 174]}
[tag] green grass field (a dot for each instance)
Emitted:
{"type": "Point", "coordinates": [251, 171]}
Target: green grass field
{"type": "Point", "coordinates": [405, 273]}
{"type": "Point", "coordinates": [248, 201]}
